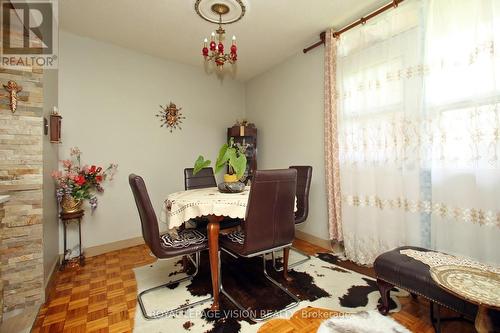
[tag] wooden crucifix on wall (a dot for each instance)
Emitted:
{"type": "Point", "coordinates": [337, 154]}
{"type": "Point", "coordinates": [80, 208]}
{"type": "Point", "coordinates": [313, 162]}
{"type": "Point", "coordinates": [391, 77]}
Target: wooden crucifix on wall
{"type": "Point", "coordinates": [13, 88]}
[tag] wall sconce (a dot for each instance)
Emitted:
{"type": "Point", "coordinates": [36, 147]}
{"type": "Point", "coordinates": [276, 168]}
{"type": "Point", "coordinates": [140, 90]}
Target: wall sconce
{"type": "Point", "coordinates": [55, 126]}
{"type": "Point", "coordinates": [45, 126]}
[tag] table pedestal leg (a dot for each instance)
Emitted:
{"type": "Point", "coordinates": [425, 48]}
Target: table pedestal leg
{"type": "Point", "coordinates": [483, 322]}
{"type": "Point", "coordinates": [213, 251]}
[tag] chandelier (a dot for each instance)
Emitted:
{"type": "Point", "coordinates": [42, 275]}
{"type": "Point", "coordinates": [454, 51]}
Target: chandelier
{"type": "Point", "coordinates": [214, 50]}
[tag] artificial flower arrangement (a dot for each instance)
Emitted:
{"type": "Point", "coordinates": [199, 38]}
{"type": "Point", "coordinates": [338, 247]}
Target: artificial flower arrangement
{"type": "Point", "coordinates": [77, 183]}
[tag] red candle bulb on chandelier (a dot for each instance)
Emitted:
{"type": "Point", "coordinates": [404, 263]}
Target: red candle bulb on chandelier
{"type": "Point", "coordinates": [212, 42]}
{"type": "Point", "coordinates": [233, 47]}
{"type": "Point", "coordinates": [219, 62]}
{"type": "Point", "coordinates": [204, 51]}
{"type": "Point", "coordinates": [214, 51]}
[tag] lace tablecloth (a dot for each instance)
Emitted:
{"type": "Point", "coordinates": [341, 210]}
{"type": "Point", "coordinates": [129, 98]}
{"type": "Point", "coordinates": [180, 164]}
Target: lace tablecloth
{"type": "Point", "coordinates": [473, 284]}
{"type": "Point", "coordinates": [182, 206]}
{"type": "Point", "coordinates": [435, 259]}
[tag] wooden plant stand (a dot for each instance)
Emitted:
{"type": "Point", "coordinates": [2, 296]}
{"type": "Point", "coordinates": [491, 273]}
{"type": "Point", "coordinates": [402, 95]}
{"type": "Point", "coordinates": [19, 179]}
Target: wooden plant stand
{"type": "Point", "coordinates": [67, 218]}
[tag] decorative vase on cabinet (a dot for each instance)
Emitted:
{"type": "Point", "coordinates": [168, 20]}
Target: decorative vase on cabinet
{"type": "Point", "coordinates": [245, 135]}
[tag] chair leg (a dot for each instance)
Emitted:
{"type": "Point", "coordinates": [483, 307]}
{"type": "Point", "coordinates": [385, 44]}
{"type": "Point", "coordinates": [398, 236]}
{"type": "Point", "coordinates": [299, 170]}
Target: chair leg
{"type": "Point", "coordinates": [294, 303]}
{"type": "Point", "coordinates": [185, 263]}
{"type": "Point", "coordinates": [300, 262]}
{"type": "Point", "coordinates": [196, 263]}
{"type": "Point", "coordinates": [286, 254]}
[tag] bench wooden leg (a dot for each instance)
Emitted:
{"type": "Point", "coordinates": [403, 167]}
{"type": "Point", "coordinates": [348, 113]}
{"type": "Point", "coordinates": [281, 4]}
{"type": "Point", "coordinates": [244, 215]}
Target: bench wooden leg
{"type": "Point", "coordinates": [436, 322]}
{"type": "Point", "coordinates": [385, 291]}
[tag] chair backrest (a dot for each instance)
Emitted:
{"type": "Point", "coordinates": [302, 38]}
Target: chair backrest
{"type": "Point", "coordinates": [204, 178]}
{"type": "Point", "coordinates": [149, 222]}
{"type": "Point", "coordinates": [269, 219]}
{"type": "Point", "coordinates": [304, 176]}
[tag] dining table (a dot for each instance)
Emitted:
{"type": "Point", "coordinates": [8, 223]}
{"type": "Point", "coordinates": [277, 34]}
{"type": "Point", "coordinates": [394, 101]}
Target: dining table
{"type": "Point", "coordinates": [182, 206]}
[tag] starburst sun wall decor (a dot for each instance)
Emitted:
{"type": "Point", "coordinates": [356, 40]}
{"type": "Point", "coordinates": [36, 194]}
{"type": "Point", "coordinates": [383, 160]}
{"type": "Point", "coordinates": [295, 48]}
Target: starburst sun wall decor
{"type": "Point", "coordinates": [170, 116]}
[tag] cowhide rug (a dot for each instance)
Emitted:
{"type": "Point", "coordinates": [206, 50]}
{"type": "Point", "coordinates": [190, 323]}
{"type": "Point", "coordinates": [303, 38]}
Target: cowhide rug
{"type": "Point", "coordinates": [318, 282]}
{"type": "Point", "coordinates": [362, 322]}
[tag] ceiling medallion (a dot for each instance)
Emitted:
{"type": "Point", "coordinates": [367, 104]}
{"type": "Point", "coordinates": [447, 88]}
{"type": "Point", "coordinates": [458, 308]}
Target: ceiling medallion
{"type": "Point", "coordinates": [214, 51]}
{"type": "Point", "coordinates": [205, 9]}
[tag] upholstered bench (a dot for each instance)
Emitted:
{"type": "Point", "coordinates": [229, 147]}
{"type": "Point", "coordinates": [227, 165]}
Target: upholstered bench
{"type": "Point", "coordinates": [395, 269]}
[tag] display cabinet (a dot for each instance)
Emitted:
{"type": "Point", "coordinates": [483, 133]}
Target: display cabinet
{"type": "Point", "coordinates": [246, 136]}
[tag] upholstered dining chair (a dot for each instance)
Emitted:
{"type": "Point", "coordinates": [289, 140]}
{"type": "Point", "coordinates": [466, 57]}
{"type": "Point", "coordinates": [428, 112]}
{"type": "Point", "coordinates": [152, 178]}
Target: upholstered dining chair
{"type": "Point", "coordinates": [304, 176]}
{"type": "Point", "coordinates": [203, 179]}
{"type": "Point", "coordinates": [189, 242]}
{"type": "Point", "coordinates": [269, 226]}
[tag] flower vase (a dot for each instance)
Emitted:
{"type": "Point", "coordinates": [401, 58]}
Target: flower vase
{"type": "Point", "coordinates": [230, 178]}
{"type": "Point", "coordinates": [231, 184]}
{"type": "Point", "coordinates": [70, 204]}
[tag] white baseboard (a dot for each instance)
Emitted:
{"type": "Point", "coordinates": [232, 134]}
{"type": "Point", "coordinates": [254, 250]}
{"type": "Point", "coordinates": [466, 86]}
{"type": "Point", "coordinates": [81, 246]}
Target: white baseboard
{"type": "Point", "coordinates": [50, 277]}
{"type": "Point", "coordinates": [324, 243]}
{"type": "Point", "coordinates": [21, 320]}
{"type": "Point", "coordinates": [108, 247]}
{"type": "Point", "coordinates": [123, 244]}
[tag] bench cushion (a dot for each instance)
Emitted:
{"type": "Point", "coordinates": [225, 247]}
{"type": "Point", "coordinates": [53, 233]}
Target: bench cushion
{"type": "Point", "coordinates": [414, 276]}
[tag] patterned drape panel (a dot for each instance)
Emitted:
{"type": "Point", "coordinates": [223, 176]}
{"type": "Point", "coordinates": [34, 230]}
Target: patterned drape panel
{"type": "Point", "coordinates": [331, 140]}
{"type": "Point", "coordinates": [419, 130]}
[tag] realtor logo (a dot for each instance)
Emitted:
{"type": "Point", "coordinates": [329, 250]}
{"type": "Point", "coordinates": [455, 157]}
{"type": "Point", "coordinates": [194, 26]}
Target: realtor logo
{"type": "Point", "coordinates": [29, 33]}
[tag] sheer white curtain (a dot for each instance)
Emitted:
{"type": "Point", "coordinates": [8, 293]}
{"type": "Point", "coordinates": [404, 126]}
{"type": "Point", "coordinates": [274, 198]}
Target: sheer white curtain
{"type": "Point", "coordinates": [462, 93]}
{"type": "Point", "coordinates": [419, 130]}
{"type": "Point", "coordinates": [380, 106]}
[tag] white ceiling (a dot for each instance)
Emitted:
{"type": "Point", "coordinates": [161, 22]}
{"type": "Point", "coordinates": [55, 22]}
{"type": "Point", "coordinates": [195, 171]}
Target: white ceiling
{"type": "Point", "coordinates": [270, 31]}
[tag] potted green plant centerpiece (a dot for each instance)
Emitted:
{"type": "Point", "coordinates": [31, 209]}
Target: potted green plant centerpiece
{"type": "Point", "coordinates": [231, 158]}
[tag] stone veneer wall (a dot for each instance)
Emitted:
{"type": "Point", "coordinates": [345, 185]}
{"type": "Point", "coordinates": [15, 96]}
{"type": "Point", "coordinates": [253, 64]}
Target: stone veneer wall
{"type": "Point", "coordinates": [21, 177]}
{"type": "Point", "coordinates": [2, 214]}
{"type": "Point", "coordinates": [21, 251]}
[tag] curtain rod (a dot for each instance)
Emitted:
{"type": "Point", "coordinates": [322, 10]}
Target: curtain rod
{"type": "Point", "coordinates": [336, 34]}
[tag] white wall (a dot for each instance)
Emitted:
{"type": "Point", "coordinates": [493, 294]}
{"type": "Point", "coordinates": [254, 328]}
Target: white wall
{"type": "Point", "coordinates": [108, 99]}
{"type": "Point", "coordinates": [50, 163]}
{"type": "Point", "coordinates": [286, 104]}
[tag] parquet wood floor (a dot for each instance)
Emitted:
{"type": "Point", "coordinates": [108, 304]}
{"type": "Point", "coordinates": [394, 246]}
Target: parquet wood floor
{"type": "Point", "coordinates": [101, 297]}
{"type": "Point", "coordinates": [302, 321]}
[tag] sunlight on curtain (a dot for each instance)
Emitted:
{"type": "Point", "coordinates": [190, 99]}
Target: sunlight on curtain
{"type": "Point", "coordinates": [419, 130]}
{"type": "Point", "coordinates": [462, 92]}
{"type": "Point", "coordinates": [380, 99]}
